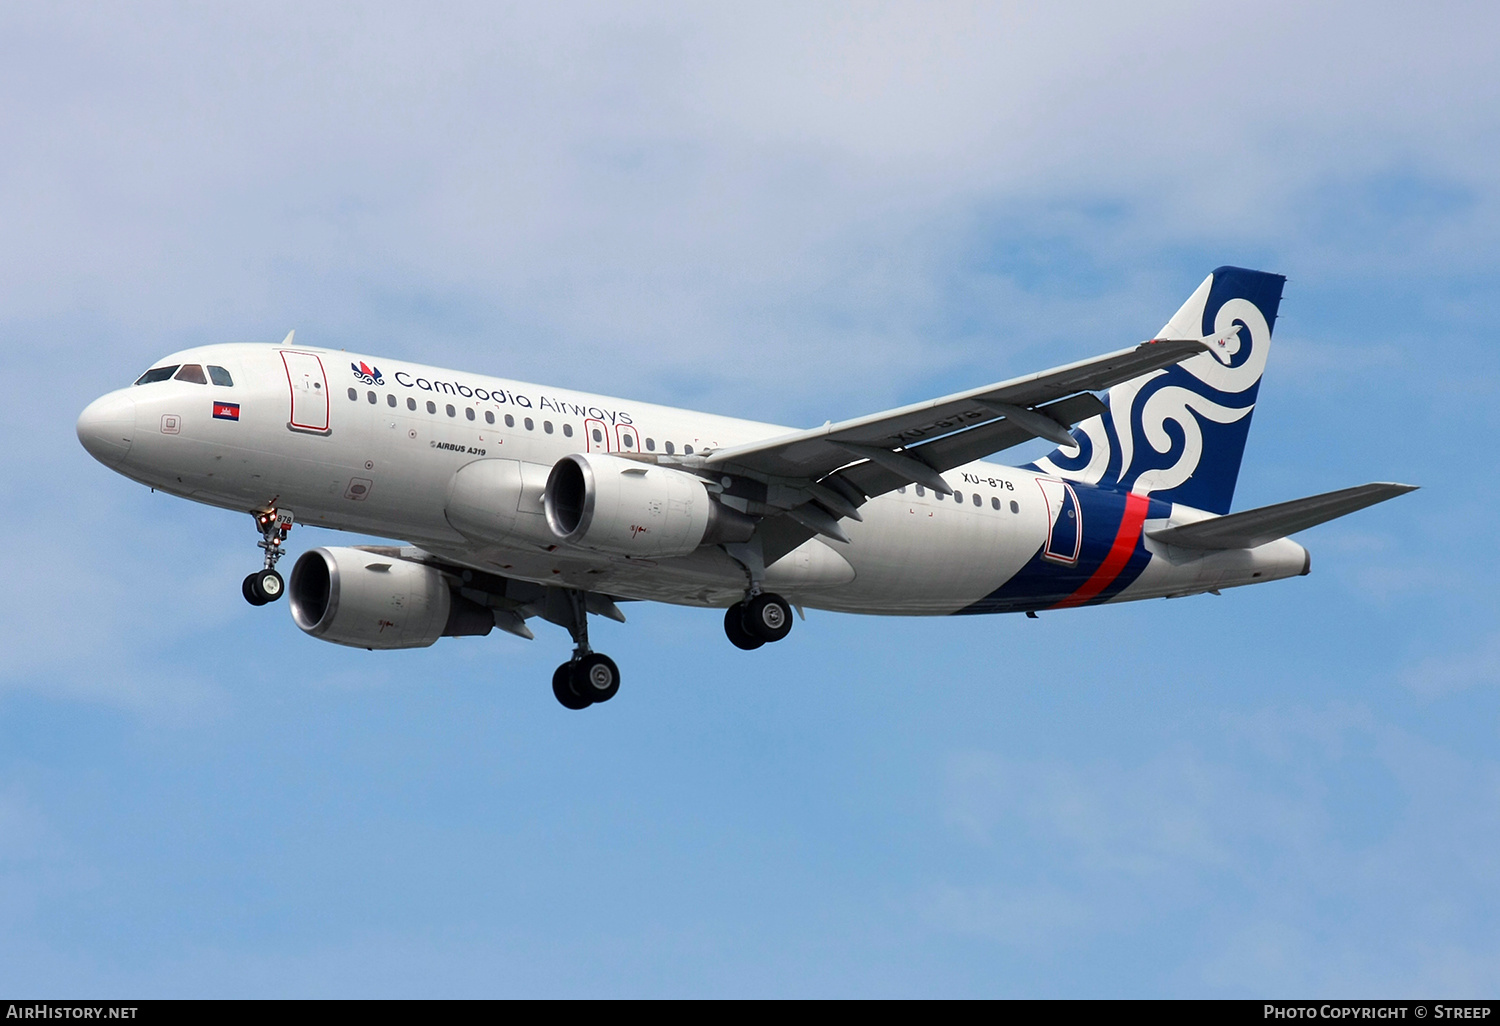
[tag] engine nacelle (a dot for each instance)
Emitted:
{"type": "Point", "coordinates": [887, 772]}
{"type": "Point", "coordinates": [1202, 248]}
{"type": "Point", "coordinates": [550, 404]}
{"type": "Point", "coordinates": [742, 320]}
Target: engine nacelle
{"type": "Point", "coordinates": [364, 600]}
{"type": "Point", "coordinates": [495, 501]}
{"type": "Point", "coordinates": [630, 508]}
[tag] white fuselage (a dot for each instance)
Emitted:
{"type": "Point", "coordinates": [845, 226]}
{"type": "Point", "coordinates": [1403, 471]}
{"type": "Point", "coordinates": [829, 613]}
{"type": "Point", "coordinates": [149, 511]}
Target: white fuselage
{"type": "Point", "coordinates": [315, 435]}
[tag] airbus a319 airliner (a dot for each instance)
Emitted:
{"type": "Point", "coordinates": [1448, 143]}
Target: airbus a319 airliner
{"type": "Point", "coordinates": [515, 501]}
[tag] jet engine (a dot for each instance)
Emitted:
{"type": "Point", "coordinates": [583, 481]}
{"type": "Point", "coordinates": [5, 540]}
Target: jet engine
{"type": "Point", "coordinates": [366, 600]}
{"type": "Point", "coordinates": [630, 508]}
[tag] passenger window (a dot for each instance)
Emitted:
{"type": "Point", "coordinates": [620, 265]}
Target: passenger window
{"type": "Point", "coordinates": [547, 426]}
{"type": "Point", "coordinates": [220, 376]}
{"type": "Point", "coordinates": [192, 372]}
{"type": "Point", "coordinates": [629, 442]}
{"type": "Point", "coordinates": [921, 491]}
{"type": "Point", "coordinates": [958, 497]}
{"type": "Point", "coordinates": [431, 406]}
{"type": "Point", "coordinates": [995, 503]}
{"type": "Point", "coordinates": [568, 430]}
{"type": "Point", "coordinates": [451, 411]}
{"type": "Point", "coordinates": [156, 374]}
{"type": "Point", "coordinates": [688, 449]}
{"type": "Point", "coordinates": [353, 395]}
{"type": "Point", "coordinates": [1015, 507]}
{"type": "Point", "coordinates": [489, 416]}
{"type": "Point", "coordinates": [901, 489]}
{"type": "Point", "coordinates": [977, 500]}
{"type": "Point", "coordinates": [529, 425]}
{"type": "Point", "coordinates": [411, 404]}
{"type": "Point", "coordinates": [469, 412]}
{"type": "Point", "coordinates": [598, 435]}
{"type": "Point", "coordinates": [510, 421]}
{"type": "Point", "coordinates": [373, 399]}
{"type": "Point", "coordinates": [650, 445]}
{"type": "Point", "coordinates": [670, 449]}
{"type": "Point", "coordinates": [390, 401]}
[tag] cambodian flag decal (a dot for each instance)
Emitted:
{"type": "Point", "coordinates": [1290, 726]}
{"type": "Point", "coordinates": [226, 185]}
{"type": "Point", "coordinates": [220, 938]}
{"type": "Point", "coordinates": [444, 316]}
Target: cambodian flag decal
{"type": "Point", "coordinates": [226, 411]}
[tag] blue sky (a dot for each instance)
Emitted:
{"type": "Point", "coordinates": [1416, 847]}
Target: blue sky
{"type": "Point", "coordinates": [804, 214]}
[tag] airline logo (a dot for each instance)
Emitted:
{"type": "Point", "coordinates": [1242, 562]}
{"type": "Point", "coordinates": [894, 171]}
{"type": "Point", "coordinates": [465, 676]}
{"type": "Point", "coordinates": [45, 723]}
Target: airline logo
{"type": "Point", "coordinates": [369, 375]}
{"type": "Point", "coordinates": [226, 411]}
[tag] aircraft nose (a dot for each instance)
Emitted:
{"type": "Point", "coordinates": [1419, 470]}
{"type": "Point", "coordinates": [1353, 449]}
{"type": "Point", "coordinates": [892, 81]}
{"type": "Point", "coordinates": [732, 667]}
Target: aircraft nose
{"type": "Point", "coordinates": [106, 427]}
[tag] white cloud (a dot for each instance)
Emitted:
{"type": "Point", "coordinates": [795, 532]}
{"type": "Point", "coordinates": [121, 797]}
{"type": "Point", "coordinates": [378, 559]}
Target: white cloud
{"type": "Point", "coordinates": [700, 189]}
{"type": "Point", "coordinates": [686, 202]}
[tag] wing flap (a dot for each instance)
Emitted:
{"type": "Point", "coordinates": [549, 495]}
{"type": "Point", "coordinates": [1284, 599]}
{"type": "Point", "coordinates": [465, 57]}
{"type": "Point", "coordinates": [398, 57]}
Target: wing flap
{"type": "Point", "coordinates": [968, 446]}
{"type": "Point", "coordinates": [1257, 526]}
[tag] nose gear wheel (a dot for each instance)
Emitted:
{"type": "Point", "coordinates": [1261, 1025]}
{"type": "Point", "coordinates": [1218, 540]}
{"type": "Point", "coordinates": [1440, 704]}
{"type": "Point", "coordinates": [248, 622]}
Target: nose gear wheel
{"type": "Point", "coordinates": [263, 586]}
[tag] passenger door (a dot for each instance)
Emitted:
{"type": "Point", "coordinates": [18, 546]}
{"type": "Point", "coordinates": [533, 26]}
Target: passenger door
{"type": "Point", "coordinates": [1064, 522]}
{"type": "Point", "coordinates": [309, 386]}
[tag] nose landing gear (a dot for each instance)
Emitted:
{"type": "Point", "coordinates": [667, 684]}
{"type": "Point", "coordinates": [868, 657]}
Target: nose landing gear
{"type": "Point", "coordinates": [266, 584]}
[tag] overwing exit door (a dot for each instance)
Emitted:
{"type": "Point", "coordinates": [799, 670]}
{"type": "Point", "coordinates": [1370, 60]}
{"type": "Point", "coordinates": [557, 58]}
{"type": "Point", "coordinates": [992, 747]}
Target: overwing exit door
{"type": "Point", "coordinates": [309, 385]}
{"type": "Point", "coordinates": [599, 437]}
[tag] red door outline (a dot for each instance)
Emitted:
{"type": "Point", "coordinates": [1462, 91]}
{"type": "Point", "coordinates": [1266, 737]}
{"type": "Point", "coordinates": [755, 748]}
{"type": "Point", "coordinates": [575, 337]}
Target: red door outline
{"type": "Point", "coordinates": [627, 431]}
{"type": "Point", "coordinates": [309, 391]}
{"type": "Point", "coordinates": [602, 444]}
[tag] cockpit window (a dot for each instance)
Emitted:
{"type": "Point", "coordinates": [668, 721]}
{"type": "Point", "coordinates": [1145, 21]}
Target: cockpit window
{"type": "Point", "coordinates": [192, 372]}
{"type": "Point", "coordinates": [220, 376]}
{"type": "Point", "coordinates": [156, 374]}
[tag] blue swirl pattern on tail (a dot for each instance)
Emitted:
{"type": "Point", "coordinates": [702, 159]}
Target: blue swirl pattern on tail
{"type": "Point", "coordinates": [1179, 434]}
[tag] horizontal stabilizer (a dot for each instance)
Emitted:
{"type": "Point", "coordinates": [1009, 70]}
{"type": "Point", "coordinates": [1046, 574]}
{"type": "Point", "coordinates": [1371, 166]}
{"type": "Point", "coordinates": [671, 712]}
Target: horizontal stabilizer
{"type": "Point", "coordinates": [1257, 526]}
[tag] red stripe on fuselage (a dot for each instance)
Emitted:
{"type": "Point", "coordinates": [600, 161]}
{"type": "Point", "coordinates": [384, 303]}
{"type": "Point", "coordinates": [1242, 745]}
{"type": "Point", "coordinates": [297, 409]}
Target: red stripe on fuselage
{"type": "Point", "coordinates": [1119, 553]}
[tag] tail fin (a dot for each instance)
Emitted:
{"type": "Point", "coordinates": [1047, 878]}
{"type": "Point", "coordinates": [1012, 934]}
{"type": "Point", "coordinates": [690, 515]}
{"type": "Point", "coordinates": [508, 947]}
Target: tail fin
{"type": "Point", "coordinates": [1179, 433]}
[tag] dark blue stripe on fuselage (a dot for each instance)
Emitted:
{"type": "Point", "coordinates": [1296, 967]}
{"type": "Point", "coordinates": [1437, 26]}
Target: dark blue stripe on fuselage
{"type": "Point", "coordinates": [1043, 582]}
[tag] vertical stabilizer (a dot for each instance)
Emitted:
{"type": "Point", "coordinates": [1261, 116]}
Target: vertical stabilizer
{"type": "Point", "coordinates": [1179, 434]}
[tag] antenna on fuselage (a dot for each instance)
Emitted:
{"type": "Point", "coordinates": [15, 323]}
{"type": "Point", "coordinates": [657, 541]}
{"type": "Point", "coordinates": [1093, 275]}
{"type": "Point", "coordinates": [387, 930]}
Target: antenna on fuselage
{"type": "Point", "coordinates": [288, 340]}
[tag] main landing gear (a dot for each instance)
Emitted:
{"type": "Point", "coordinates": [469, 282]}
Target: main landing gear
{"type": "Point", "coordinates": [760, 619]}
{"type": "Point", "coordinates": [266, 584]}
{"type": "Point", "coordinates": [589, 677]}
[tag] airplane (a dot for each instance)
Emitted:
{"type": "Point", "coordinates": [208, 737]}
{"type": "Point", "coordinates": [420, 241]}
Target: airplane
{"type": "Point", "coordinates": [513, 501]}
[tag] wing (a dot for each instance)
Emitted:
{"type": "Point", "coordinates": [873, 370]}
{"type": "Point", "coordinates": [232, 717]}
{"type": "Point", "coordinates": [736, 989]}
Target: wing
{"type": "Point", "coordinates": [809, 480]}
{"type": "Point", "coordinates": [811, 454]}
